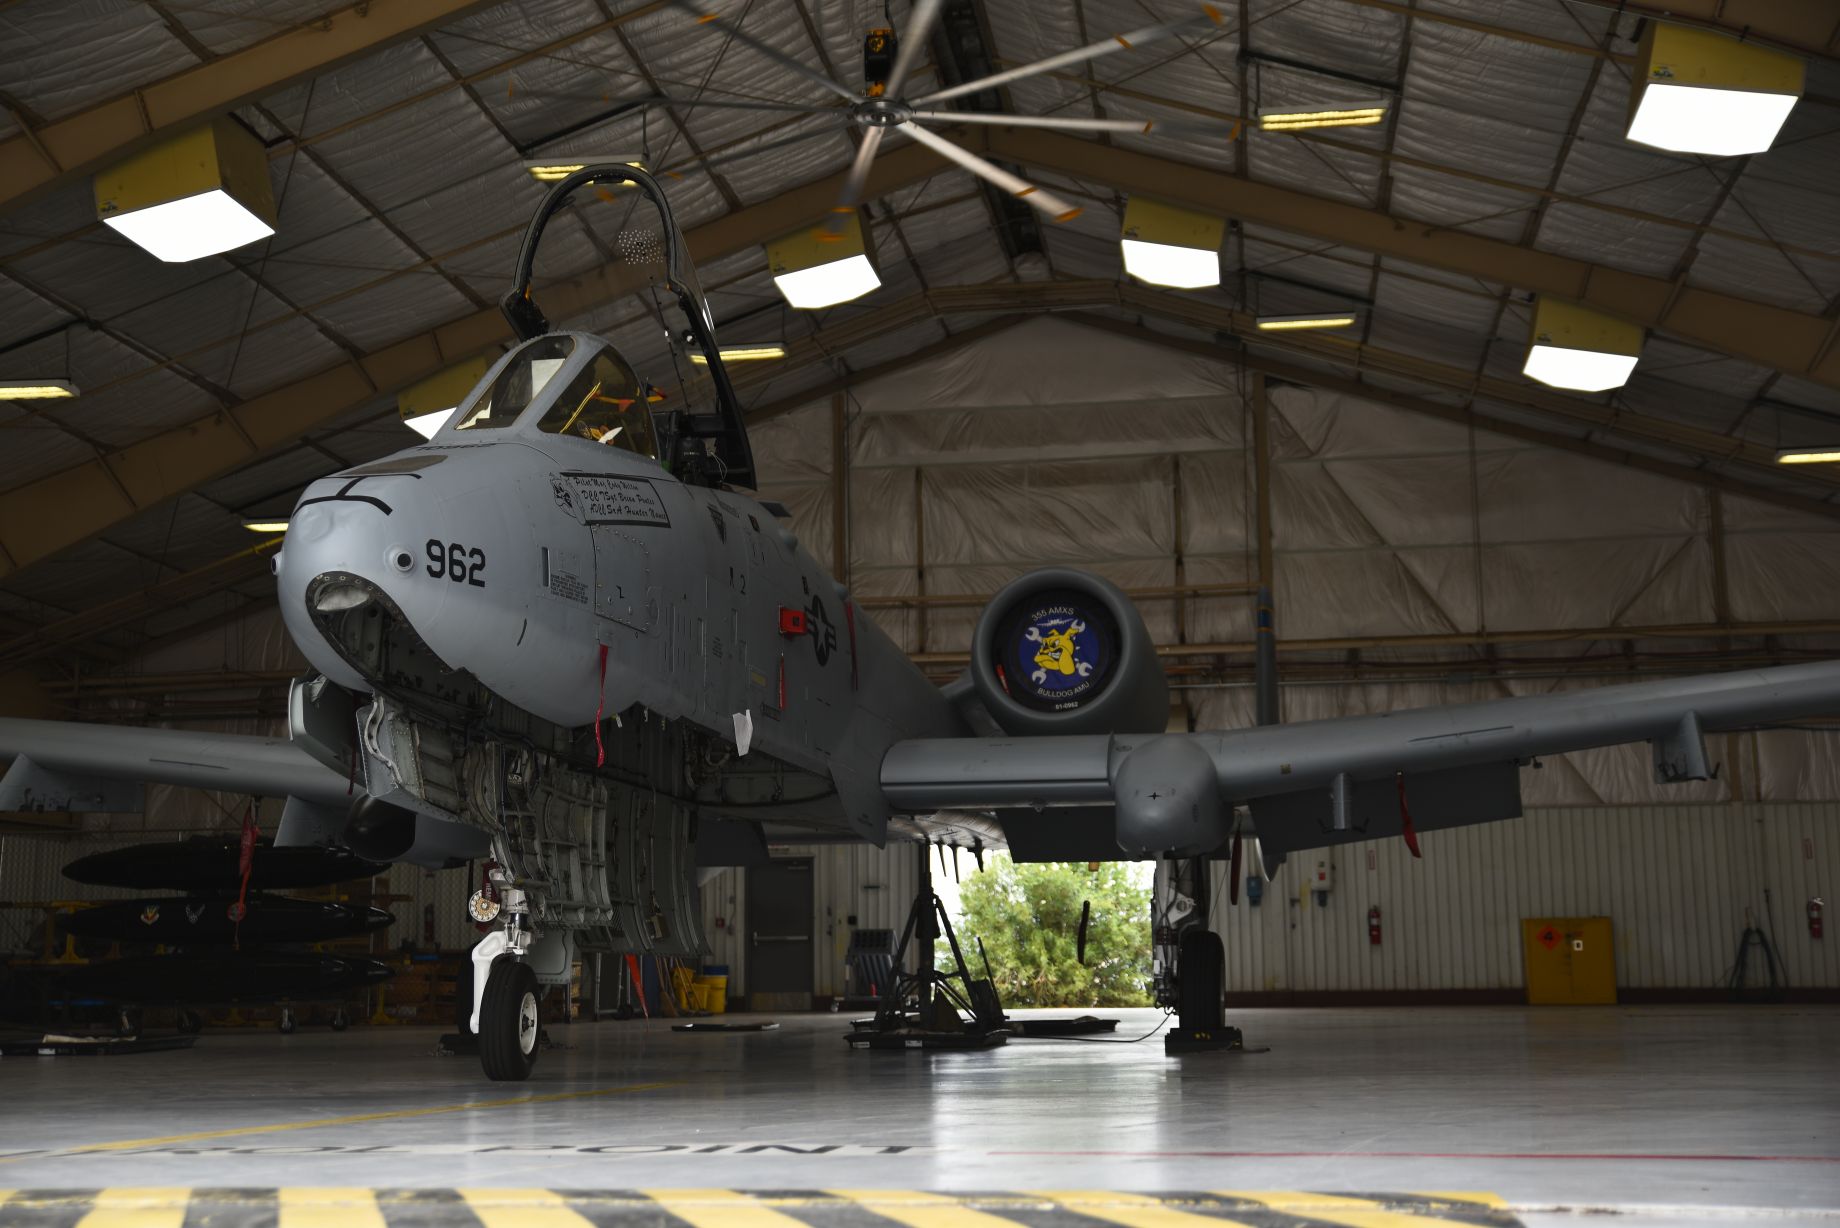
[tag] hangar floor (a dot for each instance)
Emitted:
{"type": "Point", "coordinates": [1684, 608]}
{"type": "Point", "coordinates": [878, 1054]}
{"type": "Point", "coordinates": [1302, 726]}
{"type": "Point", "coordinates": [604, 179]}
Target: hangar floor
{"type": "Point", "coordinates": [1669, 1115]}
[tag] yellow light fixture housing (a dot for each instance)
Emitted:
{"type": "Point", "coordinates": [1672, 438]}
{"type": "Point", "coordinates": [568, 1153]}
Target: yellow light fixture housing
{"type": "Point", "coordinates": [266, 526]}
{"type": "Point", "coordinates": [1579, 348]}
{"type": "Point", "coordinates": [1698, 92]}
{"type": "Point", "coordinates": [194, 195]}
{"type": "Point", "coordinates": [548, 170]}
{"type": "Point", "coordinates": [1167, 245]}
{"type": "Point", "coordinates": [1314, 319]}
{"type": "Point", "coordinates": [821, 266]}
{"type": "Point", "coordinates": [1292, 119]}
{"type": "Point", "coordinates": [426, 406]}
{"type": "Point", "coordinates": [742, 353]}
{"type": "Point", "coordinates": [36, 389]}
{"type": "Point", "coordinates": [1825, 455]}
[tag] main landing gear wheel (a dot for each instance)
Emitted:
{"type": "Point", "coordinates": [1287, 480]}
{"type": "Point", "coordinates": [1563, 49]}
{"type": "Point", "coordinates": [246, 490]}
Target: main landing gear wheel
{"type": "Point", "coordinates": [340, 1020]}
{"type": "Point", "coordinates": [286, 1024]}
{"type": "Point", "coordinates": [508, 1022]}
{"type": "Point", "coordinates": [190, 1022]}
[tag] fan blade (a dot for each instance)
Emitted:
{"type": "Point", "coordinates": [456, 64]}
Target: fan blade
{"type": "Point", "coordinates": [919, 26]}
{"type": "Point", "coordinates": [1068, 123]}
{"type": "Point", "coordinates": [853, 183]}
{"type": "Point", "coordinates": [1118, 42]}
{"type": "Point", "coordinates": [1043, 200]}
{"type": "Point", "coordinates": [771, 52]}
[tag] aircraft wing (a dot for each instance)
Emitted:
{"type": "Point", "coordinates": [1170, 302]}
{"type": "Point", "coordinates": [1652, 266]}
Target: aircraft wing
{"type": "Point", "coordinates": [1327, 782]}
{"type": "Point", "coordinates": [68, 765]}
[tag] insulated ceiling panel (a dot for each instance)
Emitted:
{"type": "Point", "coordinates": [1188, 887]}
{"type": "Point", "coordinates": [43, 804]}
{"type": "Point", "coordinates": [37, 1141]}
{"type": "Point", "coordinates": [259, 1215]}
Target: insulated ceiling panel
{"type": "Point", "coordinates": [63, 55]}
{"type": "Point", "coordinates": [231, 25]}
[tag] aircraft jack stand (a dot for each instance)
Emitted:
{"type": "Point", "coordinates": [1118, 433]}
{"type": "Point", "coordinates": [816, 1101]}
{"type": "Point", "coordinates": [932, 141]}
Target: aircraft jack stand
{"type": "Point", "coordinates": [1200, 1025]}
{"type": "Point", "coordinates": [930, 1009]}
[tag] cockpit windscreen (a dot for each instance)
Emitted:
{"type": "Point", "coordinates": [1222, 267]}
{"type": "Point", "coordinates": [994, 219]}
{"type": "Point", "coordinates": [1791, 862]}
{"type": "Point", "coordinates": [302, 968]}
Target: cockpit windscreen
{"type": "Point", "coordinates": [521, 382]}
{"type": "Point", "coordinates": [606, 403]}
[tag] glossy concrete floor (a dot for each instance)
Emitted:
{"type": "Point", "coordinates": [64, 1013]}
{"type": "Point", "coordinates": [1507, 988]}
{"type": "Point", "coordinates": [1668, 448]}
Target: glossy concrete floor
{"type": "Point", "coordinates": [1677, 1112]}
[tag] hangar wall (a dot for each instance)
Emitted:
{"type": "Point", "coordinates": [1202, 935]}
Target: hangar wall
{"type": "Point", "coordinates": [876, 886]}
{"type": "Point", "coordinates": [1400, 538]}
{"type": "Point", "coordinates": [1678, 882]}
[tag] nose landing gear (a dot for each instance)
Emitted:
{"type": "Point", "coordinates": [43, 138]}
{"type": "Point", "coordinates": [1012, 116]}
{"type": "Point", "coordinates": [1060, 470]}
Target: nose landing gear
{"type": "Point", "coordinates": [509, 1028]}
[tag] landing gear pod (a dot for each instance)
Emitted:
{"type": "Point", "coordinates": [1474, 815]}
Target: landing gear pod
{"type": "Point", "coordinates": [1061, 651]}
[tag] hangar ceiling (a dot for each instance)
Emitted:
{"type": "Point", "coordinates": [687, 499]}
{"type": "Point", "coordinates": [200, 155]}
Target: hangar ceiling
{"type": "Point", "coordinates": [396, 132]}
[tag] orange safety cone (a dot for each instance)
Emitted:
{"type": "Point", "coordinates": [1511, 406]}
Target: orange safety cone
{"type": "Point", "coordinates": [638, 983]}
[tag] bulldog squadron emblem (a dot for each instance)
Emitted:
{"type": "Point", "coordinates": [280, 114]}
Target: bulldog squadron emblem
{"type": "Point", "coordinates": [1061, 650]}
{"type": "Point", "coordinates": [1058, 652]}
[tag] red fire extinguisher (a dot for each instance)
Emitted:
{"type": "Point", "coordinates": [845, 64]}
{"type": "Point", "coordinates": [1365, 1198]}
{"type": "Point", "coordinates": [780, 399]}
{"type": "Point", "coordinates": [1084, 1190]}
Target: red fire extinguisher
{"type": "Point", "coordinates": [1814, 917]}
{"type": "Point", "coordinates": [1373, 926]}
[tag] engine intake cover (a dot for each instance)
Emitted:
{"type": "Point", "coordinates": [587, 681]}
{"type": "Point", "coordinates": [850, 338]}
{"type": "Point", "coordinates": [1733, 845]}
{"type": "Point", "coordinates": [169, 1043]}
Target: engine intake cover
{"type": "Point", "coordinates": [1060, 651]}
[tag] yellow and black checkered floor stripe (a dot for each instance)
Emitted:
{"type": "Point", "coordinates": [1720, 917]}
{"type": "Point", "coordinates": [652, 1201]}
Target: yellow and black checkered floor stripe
{"type": "Point", "coordinates": [302, 1207]}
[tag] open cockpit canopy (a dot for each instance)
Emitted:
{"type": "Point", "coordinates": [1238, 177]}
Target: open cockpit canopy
{"type": "Point", "coordinates": [706, 442]}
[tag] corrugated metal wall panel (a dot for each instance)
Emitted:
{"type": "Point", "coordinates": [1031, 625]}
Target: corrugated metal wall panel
{"type": "Point", "coordinates": [1677, 881]}
{"type": "Point", "coordinates": [876, 886]}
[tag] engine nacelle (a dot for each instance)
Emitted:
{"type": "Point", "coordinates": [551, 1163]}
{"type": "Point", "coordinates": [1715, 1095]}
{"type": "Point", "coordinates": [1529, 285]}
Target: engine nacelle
{"type": "Point", "coordinates": [382, 831]}
{"type": "Point", "coordinates": [1062, 651]}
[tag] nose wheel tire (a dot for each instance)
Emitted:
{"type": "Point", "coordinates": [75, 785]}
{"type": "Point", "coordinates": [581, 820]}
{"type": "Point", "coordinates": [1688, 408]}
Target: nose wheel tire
{"type": "Point", "coordinates": [508, 1021]}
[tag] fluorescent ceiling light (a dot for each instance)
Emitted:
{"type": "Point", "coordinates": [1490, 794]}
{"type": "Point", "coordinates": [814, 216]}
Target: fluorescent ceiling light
{"type": "Point", "coordinates": [1274, 119]}
{"type": "Point", "coordinates": [1825, 455]}
{"type": "Point", "coordinates": [548, 170]}
{"type": "Point", "coordinates": [826, 285]}
{"type": "Point", "coordinates": [1165, 264]}
{"type": "Point", "coordinates": [1578, 370]}
{"type": "Point", "coordinates": [191, 227]}
{"type": "Point", "coordinates": [266, 526]}
{"type": "Point", "coordinates": [1319, 319]}
{"type": "Point", "coordinates": [1714, 122]}
{"type": "Point", "coordinates": [36, 389]}
{"type": "Point", "coordinates": [426, 425]}
{"type": "Point", "coordinates": [741, 353]}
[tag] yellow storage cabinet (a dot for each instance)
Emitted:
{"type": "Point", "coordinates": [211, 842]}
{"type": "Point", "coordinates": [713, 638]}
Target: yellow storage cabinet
{"type": "Point", "coordinates": [1570, 961]}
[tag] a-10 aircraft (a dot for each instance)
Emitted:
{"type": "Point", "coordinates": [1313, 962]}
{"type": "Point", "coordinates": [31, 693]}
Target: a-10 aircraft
{"type": "Point", "coordinates": [562, 636]}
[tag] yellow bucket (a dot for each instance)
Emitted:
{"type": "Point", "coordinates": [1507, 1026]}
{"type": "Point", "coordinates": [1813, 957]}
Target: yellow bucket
{"type": "Point", "coordinates": [712, 994]}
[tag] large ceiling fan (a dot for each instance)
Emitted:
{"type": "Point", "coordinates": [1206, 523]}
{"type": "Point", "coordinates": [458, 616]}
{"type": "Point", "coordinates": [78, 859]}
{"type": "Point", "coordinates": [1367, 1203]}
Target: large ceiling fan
{"type": "Point", "coordinates": [881, 106]}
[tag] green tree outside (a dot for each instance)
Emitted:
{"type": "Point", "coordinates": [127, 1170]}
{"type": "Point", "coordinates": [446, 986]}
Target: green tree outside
{"type": "Point", "coordinates": [1029, 918]}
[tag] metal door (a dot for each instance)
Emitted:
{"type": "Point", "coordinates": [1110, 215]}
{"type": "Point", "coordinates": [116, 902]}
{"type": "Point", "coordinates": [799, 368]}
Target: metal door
{"type": "Point", "coordinates": [779, 935]}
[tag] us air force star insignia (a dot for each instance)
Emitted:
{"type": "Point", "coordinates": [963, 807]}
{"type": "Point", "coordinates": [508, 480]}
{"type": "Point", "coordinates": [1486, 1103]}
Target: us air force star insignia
{"type": "Point", "coordinates": [823, 634]}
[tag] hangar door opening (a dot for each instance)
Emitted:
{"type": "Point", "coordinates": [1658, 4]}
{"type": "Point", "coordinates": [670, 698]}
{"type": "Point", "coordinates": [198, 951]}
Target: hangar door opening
{"type": "Point", "coordinates": [779, 922]}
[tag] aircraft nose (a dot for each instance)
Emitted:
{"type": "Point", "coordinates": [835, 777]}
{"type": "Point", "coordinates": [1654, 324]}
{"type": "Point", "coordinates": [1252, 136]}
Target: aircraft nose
{"type": "Point", "coordinates": [342, 555]}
